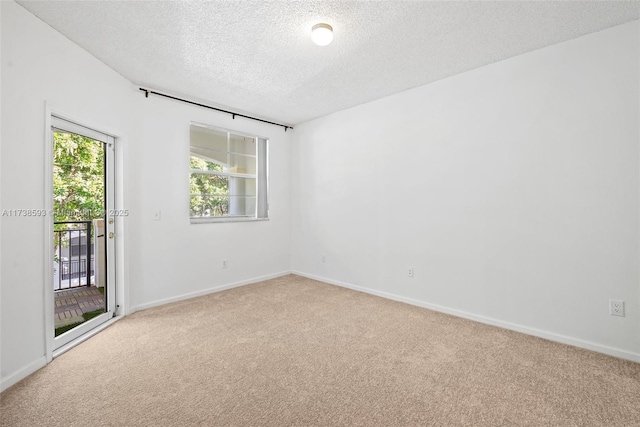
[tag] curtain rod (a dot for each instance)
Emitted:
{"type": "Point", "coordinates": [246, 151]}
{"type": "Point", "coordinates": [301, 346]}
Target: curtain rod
{"type": "Point", "coordinates": [149, 91]}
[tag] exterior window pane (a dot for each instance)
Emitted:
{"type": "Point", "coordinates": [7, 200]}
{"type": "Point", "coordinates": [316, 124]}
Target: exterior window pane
{"type": "Point", "coordinates": [242, 164]}
{"type": "Point", "coordinates": [208, 206]}
{"type": "Point", "coordinates": [228, 179]}
{"type": "Point", "coordinates": [243, 145]}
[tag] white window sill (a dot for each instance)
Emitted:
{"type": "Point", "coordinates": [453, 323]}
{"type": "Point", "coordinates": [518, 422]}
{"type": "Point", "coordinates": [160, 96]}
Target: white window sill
{"type": "Point", "coordinates": [209, 220]}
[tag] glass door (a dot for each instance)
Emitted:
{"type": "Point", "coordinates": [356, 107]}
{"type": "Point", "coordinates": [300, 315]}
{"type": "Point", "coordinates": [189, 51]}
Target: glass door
{"type": "Point", "coordinates": [83, 224]}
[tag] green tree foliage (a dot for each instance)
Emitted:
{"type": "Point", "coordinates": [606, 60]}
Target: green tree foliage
{"type": "Point", "coordinates": [208, 193]}
{"type": "Point", "coordinates": [78, 178]}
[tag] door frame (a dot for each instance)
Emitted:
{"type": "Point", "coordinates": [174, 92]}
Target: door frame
{"type": "Point", "coordinates": [119, 266]}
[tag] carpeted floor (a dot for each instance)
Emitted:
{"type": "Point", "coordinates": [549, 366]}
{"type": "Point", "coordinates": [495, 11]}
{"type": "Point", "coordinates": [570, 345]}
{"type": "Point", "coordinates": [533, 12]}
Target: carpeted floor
{"type": "Point", "coordinates": [293, 351]}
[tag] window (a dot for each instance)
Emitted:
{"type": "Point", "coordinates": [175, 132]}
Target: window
{"type": "Point", "coordinates": [228, 179]}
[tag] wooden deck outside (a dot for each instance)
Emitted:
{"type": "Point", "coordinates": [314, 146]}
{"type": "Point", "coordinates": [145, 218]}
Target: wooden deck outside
{"type": "Point", "coordinates": [71, 303]}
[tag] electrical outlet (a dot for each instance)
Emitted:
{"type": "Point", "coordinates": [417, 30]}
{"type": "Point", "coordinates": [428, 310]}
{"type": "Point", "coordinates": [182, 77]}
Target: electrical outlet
{"type": "Point", "coordinates": [225, 264]}
{"type": "Point", "coordinates": [616, 307]}
{"type": "Point", "coordinates": [410, 271]}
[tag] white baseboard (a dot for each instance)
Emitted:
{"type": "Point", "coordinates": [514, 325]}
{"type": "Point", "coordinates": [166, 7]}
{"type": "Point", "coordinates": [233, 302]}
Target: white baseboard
{"type": "Point", "coordinates": [551, 336]}
{"type": "Point", "coordinates": [32, 367]}
{"type": "Point", "coordinates": [182, 297]}
{"type": "Point", "coordinates": [12, 379]}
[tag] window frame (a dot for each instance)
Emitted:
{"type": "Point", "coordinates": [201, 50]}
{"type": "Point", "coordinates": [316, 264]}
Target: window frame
{"type": "Point", "coordinates": [261, 176]}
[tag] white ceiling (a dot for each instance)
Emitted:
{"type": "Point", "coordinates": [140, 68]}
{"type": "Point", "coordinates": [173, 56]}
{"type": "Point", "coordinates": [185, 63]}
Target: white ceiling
{"type": "Point", "coordinates": [257, 56]}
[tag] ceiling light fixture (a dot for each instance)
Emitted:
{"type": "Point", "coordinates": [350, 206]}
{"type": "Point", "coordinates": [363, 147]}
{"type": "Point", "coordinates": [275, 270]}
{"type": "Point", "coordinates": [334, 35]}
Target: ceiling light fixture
{"type": "Point", "coordinates": [322, 34]}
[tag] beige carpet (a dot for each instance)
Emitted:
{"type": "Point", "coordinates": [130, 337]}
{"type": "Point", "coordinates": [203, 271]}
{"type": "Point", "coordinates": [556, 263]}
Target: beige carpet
{"type": "Point", "coordinates": [294, 351]}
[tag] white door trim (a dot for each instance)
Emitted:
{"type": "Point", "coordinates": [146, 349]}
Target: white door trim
{"type": "Point", "coordinates": [118, 269]}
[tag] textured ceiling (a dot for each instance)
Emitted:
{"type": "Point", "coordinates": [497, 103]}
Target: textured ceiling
{"type": "Point", "coordinates": [257, 56]}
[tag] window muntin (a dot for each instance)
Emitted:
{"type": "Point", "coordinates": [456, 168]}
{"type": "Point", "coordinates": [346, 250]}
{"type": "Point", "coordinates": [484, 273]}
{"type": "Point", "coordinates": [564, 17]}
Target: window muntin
{"type": "Point", "coordinates": [228, 175]}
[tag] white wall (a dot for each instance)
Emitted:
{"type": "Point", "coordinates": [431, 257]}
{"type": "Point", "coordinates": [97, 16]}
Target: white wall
{"type": "Point", "coordinates": [177, 258]}
{"type": "Point", "coordinates": [165, 260]}
{"type": "Point", "coordinates": [39, 65]}
{"type": "Point", "coordinates": [512, 190]}
{"type": "Point", "coordinates": [1, 204]}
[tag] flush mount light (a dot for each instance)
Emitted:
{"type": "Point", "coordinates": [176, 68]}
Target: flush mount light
{"type": "Point", "coordinates": [322, 34]}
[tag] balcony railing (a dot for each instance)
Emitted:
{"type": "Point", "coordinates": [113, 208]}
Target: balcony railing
{"type": "Point", "coordinates": [73, 247]}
